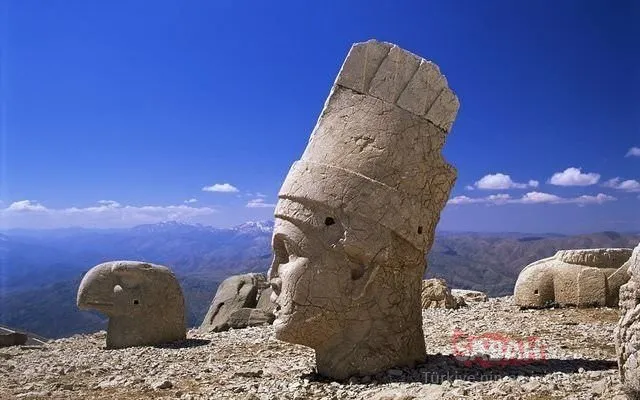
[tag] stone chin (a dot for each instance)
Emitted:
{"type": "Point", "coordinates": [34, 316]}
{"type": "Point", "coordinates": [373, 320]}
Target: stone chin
{"type": "Point", "coordinates": [282, 327]}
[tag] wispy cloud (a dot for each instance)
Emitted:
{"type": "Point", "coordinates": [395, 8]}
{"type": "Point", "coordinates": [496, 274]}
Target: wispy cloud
{"type": "Point", "coordinates": [633, 152]}
{"type": "Point", "coordinates": [629, 185]}
{"type": "Point", "coordinates": [191, 201]}
{"type": "Point", "coordinates": [574, 177]}
{"type": "Point", "coordinates": [106, 214]}
{"type": "Point", "coordinates": [501, 181]}
{"type": "Point", "coordinates": [221, 188]}
{"type": "Point", "coordinates": [259, 203]}
{"type": "Point", "coordinates": [493, 199]}
{"type": "Point", "coordinates": [532, 198]}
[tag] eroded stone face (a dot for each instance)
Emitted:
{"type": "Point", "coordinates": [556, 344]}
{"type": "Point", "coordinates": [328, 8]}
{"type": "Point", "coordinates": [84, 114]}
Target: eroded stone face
{"type": "Point", "coordinates": [143, 301]}
{"type": "Point", "coordinates": [627, 332]}
{"type": "Point", "coordinates": [358, 211]}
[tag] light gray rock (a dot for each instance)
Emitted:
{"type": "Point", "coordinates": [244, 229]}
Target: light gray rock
{"type": "Point", "coordinates": [163, 384]}
{"type": "Point", "coordinates": [357, 213]}
{"type": "Point", "coordinates": [234, 293]}
{"type": "Point", "coordinates": [245, 317]}
{"type": "Point", "coordinates": [470, 296]}
{"type": "Point", "coordinates": [627, 332]}
{"type": "Point", "coordinates": [436, 294]}
{"type": "Point", "coordinates": [585, 278]}
{"type": "Point", "coordinates": [143, 301]}
{"type": "Point", "coordinates": [264, 301]}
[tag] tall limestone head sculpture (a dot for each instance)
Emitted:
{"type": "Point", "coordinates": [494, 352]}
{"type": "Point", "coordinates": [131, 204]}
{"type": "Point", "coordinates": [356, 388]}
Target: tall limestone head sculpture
{"type": "Point", "coordinates": [144, 302]}
{"type": "Point", "coordinates": [357, 213]}
{"type": "Point", "coordinates": [627, 332]}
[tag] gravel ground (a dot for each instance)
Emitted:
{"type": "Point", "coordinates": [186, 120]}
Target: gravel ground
{"type": "Point", "coordinates": [488, 350]}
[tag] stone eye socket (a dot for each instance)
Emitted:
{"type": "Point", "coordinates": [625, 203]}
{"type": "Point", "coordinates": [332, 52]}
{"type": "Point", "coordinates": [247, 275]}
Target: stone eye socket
{"type": "Point", "coordinates": [136, 301]}
{"type": "Point", "coordinates": [329, 221]}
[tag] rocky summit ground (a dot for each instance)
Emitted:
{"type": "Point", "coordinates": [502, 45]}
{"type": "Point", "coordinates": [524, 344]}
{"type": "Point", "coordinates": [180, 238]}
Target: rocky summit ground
{"type": "Point", "coordinates": [488, 350]}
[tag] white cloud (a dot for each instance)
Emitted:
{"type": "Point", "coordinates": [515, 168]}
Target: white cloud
{"type": "Point", "coordinates": [493, 199]}
{"type": "Point", "coordinates": [633, 152]}
{"type": "Point", "coordinates": [539, 197]}
{"type": "Point", "coordinates": [574, 177]}
{"type": "Point", "coordinates": [261, 195]}
{"type": "Point", "coordinates": [191, 201]}
{"type": "Point", "coordinates": [597, 199]}
{"type": "Point", "coordinates": [464, 200]}
{"type": "Point", "coordinates": [221, 187]}
{"type": "Point", "coordinates": [259, 203]}
{"type": "Point", "coordinates": [629, 185]}
{"type": "Point", "coordinates": [469, 187]}
{"type": "Point", "coordinates": [109, 203]}
{"type": "Point", "coordinates": [106, 214]}
{"type": "Point", "coordinates": [532, 198]}
{"type": "Point", "coordinates": [501, 181]}
{"type": "Point", "coordinates": [26, 206]}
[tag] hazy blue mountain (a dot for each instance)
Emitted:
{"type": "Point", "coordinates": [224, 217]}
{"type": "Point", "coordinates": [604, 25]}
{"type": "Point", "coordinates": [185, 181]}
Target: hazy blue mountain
{"type": "Point", "coordinates": [40, 269]}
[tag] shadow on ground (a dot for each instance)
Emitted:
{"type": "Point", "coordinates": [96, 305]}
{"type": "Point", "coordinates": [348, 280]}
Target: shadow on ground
{"type": "Point", "coordinates": [439, 368]}
{"type": "Point", "coordinates": [184, 344]}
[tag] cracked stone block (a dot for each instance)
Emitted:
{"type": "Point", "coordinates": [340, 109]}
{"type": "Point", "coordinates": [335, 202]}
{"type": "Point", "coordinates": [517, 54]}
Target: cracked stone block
{"type": "Point", "coordinates": [234, 293]}
{"type": "Point", "coordinates": [357, 213]}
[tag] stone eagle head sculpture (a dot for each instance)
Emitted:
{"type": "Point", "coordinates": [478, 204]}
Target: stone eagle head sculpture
{"type": "Point", "coordinates": [143, 301]}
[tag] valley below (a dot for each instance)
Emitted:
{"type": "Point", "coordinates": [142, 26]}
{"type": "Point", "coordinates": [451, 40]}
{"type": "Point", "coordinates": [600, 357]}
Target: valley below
{"type": "Point", "coordinates": [40, 270]}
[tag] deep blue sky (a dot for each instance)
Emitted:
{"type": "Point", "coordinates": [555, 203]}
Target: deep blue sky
{"type": "Point", "coordinates": [145, 103]}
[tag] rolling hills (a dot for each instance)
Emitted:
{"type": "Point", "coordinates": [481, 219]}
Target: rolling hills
{"type": "Point", "coordinates": [40, 270]}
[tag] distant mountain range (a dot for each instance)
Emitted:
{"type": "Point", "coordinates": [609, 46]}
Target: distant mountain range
{"type": "Point", "coordinates": [40, 269]}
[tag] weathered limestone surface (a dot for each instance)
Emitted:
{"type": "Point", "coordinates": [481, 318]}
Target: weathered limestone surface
{"type": "Point", "coordinates": [144, 302]}
{"type": "Point", "coordinates": [357, 213]}
{"type": "Point", "coordinates": [264, 301]}
{"type": "Point", "coordinates": [12, 339]}
{"type": "Point", "coordinates": [627, 333]}
{"type": "Point", "coordinates": [436, 294]}
{"type": "Point", "coordinates": [233, 294]}
{"type": "Point", "coordinates": [586, 277]}
{"type": "Point", "coordinates": [246, 317]}
{"type": "Point", "coordinates": [470, 296]}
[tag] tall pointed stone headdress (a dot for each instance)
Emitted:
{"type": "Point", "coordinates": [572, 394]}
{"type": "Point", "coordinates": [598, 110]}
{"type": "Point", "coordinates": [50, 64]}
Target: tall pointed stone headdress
{"type": "Point", "coordinates": [375, 149]}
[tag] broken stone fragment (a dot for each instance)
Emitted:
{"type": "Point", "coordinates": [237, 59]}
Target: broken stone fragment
{"type": "Point", "coordinates": [234, 293]}
{"type": "Point", "coordinates": [584, 278]}
{"type": "Point", "coordinates": [246, 317]}
{"type": "Point", "coordinates": [470, 296]}
{"type": "Point", "coordinates": [436, 294]}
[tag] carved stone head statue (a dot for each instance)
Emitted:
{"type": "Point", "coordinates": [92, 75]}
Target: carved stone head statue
{"type": "Point", "coordinates": [357, 213]}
